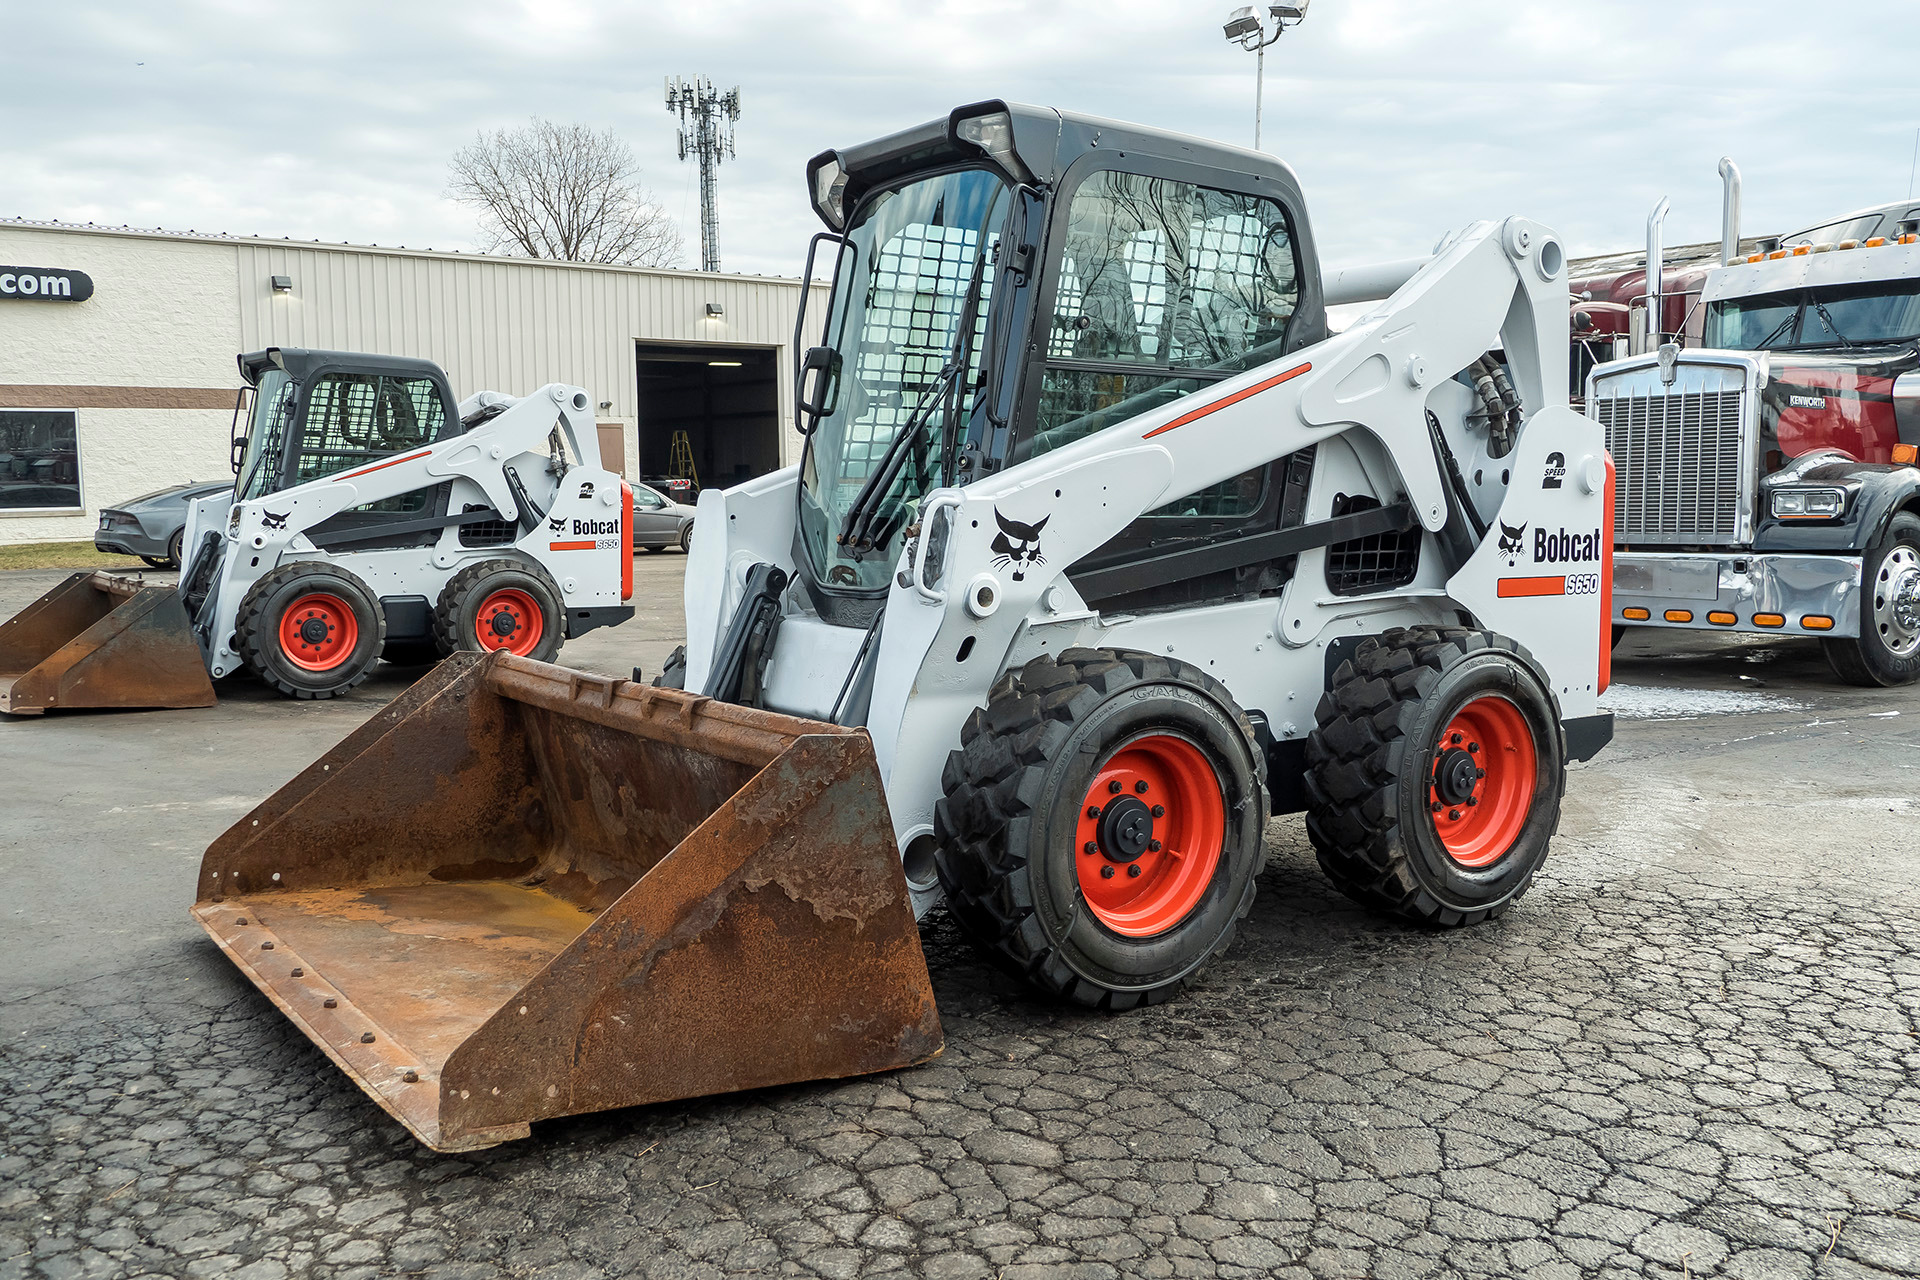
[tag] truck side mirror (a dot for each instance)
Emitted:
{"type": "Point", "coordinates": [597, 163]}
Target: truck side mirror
{"type": "Point", "coordinates": [819, 385]}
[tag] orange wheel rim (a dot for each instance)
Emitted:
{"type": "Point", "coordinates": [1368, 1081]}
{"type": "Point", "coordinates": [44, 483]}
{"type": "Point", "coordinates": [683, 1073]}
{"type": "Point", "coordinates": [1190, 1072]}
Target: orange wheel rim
{"type": "Point", "coordinates": [509, 619]}
{"type": "Point", "coordinates": [1150, 835]}
{"type": "Point", "coordinates": [1480, 790]}
{"type": "Point", "coordinates": [318, 632]}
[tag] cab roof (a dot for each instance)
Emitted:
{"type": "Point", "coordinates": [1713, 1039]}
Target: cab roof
{"type": "Point", "coordinates": [1045, 144]}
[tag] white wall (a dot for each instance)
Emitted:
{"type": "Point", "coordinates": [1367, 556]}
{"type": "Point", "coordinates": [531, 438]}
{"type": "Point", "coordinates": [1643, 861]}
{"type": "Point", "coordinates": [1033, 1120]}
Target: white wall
{"type": "Point", "coordinates": [161, 316]}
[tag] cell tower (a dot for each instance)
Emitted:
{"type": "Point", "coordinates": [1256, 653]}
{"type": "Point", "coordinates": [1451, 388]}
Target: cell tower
{"type": "Point", "coordinates": [706, 131]}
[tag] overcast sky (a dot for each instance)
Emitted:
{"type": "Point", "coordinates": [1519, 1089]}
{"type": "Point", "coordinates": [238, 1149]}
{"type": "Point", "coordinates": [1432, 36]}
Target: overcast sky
{"type": "Point", "coordinates": [1403, 118]}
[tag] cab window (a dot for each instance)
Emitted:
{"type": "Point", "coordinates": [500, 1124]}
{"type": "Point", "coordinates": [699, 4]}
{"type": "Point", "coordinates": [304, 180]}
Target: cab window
{"type": "Point", "coordinates": [357, 418]}
{"type": "Point", "coordinates": [1164, 287]}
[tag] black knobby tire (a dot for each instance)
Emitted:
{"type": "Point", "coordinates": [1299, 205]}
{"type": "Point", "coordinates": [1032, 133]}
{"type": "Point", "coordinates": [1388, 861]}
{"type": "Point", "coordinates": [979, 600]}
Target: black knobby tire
{"type": "Point", "coordinates": [1872, 660]}
{"type": "Point", "coordinates": [1007, 827]}
{"type": "Point", "coordinates": [456, 614]}
{"type": "Point", "coordinates": [259, 634]}
{"type": "Point", "coordinates": [1370, 777]}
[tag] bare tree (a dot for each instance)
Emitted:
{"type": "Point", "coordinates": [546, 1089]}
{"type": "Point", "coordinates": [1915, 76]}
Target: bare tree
{"type": "Point", "coordinates": [563, 191]}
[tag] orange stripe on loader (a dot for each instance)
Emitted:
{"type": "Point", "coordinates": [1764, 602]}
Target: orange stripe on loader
{"type": "Point", "coordinates": [1510, 587]}
{"type": "Point", "coordinates": [1224, 401]}
{"type": "Point", "coordinates": [571, 546]}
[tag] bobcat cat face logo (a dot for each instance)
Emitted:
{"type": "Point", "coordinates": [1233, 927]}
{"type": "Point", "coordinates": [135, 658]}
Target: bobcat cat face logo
{"type": "Point", "coordinates": [1512, 541]}
{"type": "Point", "coordinates": [557, 523]}
{"type": "Point", "coordinates": [1017, 545]}
{"type": "Point", "coordinates": [268, 520]}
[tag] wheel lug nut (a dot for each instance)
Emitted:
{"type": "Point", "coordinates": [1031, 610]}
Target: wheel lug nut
{"type": "Point", "coordinates": [1141, 786]}
{"type": "Point", "coordinates": [1133, 869]}
{"type": "Point", "coordinates": [1114, 786]}
{"type": "Point", "coordinates": [1093, 811]}
{"type": "Point", "coordinates": [1436, 806]}
{"type": "Point", "coordinates": [1153, 845]}
{"type": "Point", "coordinates": [1473, 748]}
{"type": "Point", "coordinates": [1479, 773]}
{"type": "Point", "coordinates": [1457, 738]}
{"type": "Point", "coordinates": [1091, 847]}
{"type": "Point", "coordinates": [1159, 811]}
{"type": "Point", "coordinates": [1453, 814]}
{"type": "Point", "coordinates": [1106, 872]}
{"type": "Point", "coordinates": [1472, 800]}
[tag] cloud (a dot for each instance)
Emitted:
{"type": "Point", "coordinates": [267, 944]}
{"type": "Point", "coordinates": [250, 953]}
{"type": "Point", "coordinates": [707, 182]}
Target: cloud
{"type": "Point", "coordinates": [1404, 118]}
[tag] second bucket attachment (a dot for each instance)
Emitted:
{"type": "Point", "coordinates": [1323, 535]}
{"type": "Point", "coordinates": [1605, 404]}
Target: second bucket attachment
{"type": "Point", "coordinates": [100, 641]}
{"type": "Point", "coordinates": [524, 892]}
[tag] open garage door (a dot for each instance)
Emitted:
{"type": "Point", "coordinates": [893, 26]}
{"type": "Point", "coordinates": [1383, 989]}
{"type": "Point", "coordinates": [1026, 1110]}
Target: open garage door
{"type": "Point", "coordinates": [723, 399]}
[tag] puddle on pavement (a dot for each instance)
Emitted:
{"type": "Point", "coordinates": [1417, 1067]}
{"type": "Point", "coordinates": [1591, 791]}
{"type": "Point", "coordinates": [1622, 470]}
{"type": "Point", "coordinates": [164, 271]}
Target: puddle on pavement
{"type": "Point", "coordinates": [1639, 702]}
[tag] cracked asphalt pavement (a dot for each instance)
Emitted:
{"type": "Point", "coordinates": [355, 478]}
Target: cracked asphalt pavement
{"type": "Point", "coordinates": [1693, 1050]}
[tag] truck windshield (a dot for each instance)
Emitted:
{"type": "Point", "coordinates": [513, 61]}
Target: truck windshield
{"type": "Point", "coordinates": [912, 255]}
{"type": "Point", "coordinates": [267, 425]}
{"type": "Point", "coordinates": [1845, 316]}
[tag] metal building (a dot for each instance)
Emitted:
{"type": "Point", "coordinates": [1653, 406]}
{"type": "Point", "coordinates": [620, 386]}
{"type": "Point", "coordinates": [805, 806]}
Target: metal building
{"type": "Point", "coordinates": [117, 353]}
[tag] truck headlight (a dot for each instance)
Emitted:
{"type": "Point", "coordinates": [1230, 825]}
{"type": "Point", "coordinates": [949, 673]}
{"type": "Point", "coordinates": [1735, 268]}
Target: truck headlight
{"type": "Point", "coordinates": [1809, 504]}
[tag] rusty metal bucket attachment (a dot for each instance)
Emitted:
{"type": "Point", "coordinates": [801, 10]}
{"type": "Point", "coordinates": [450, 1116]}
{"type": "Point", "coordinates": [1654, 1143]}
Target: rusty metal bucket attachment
{"type": "Point", "coordinates": [523, 892]}
{"type": "Point", "coordinates": [100, 641]}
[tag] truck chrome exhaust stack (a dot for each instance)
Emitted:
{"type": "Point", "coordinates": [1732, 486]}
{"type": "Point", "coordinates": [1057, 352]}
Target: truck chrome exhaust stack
{"type": "Point", "coordinates": [1729, 211]}
{"type": "Point", "coordinates": [1656, 304]}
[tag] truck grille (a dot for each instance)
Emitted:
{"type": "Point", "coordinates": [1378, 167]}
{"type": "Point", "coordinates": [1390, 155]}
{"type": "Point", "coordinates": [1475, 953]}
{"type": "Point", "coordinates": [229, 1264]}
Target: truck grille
{"type": "Point", "coordinates": [1677, 464]}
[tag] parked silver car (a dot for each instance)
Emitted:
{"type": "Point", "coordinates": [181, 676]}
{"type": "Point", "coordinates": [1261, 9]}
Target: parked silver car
{"type": "Point", "coordinates": [659, 522]}
{"type": "Point", "coordinates": [150, 526]}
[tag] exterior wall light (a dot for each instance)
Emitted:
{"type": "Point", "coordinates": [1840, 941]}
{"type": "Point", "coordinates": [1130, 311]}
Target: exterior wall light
{"type": "Point", "coordinates": [715, 311]}
{"type": "Point", "coordinates": [283, 284]}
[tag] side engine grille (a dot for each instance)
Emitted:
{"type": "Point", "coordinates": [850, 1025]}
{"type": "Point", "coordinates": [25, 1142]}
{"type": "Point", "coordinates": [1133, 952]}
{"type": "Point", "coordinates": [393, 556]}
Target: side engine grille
{"type": "Point", "coordinates": [1377, 563]}
{"type": "Point", "coordinates": [1676, 459]}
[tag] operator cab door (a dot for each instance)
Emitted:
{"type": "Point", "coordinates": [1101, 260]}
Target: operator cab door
{"type": "Point", "coordinates": [1162, 278]}
{"type": "Point", "coordinates": [353, 421]}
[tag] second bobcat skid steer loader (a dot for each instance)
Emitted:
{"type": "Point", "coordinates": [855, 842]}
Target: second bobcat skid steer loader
{"type": "Point", "coordinates": [371, 517]}
{"type": "Point", "coordinates": [1102, 550]}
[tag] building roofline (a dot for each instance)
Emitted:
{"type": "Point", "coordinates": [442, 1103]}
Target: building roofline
{"type": "Point", "coordinates": [398, 251]}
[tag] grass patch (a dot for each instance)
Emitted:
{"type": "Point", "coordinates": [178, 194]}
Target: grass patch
{"type": "Point", "coordinates": [63, 555]}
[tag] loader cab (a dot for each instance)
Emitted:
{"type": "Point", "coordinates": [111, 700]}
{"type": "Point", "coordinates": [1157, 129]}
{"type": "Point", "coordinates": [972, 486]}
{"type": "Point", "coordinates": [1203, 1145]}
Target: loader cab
{"type": "Point", "coordinates": [313, 414]}
{"type": "Point", "coordinates": [1012, 278]}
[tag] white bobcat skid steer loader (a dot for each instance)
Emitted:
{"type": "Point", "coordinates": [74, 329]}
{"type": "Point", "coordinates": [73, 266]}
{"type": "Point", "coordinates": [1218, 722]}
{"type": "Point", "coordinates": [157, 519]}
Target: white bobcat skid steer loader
{"type": "Point", "coordinates": [372, 514]}
{"type": "Point", "coordinates": [1101, 551]}
{"type": "Point", "coordinates": [1121, 549]}
{"type": "Point", "coordinates": [371, 517]}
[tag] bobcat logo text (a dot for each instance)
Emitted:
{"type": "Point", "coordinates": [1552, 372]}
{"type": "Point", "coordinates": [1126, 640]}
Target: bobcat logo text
{"type": "Point", "coordinates": [1565, 548]}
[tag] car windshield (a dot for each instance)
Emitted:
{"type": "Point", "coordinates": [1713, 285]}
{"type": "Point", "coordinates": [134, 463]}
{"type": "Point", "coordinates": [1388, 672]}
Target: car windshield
{"type": "Point", "coordinates": [267, 426]}
{"type": "Point", "coordinates": [1848, 316]}
{"type": "Point", "coordinates": [911, 258]}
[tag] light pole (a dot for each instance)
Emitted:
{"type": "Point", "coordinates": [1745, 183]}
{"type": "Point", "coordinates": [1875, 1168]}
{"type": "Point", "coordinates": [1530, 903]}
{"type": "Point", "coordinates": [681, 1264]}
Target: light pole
{"type": "Point", "coordinates": [1245, 29]}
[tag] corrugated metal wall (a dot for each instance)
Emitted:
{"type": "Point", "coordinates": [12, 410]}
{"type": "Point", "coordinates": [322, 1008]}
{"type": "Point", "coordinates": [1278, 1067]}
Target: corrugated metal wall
{"type": "Point", "coordinates": [510, 326]}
